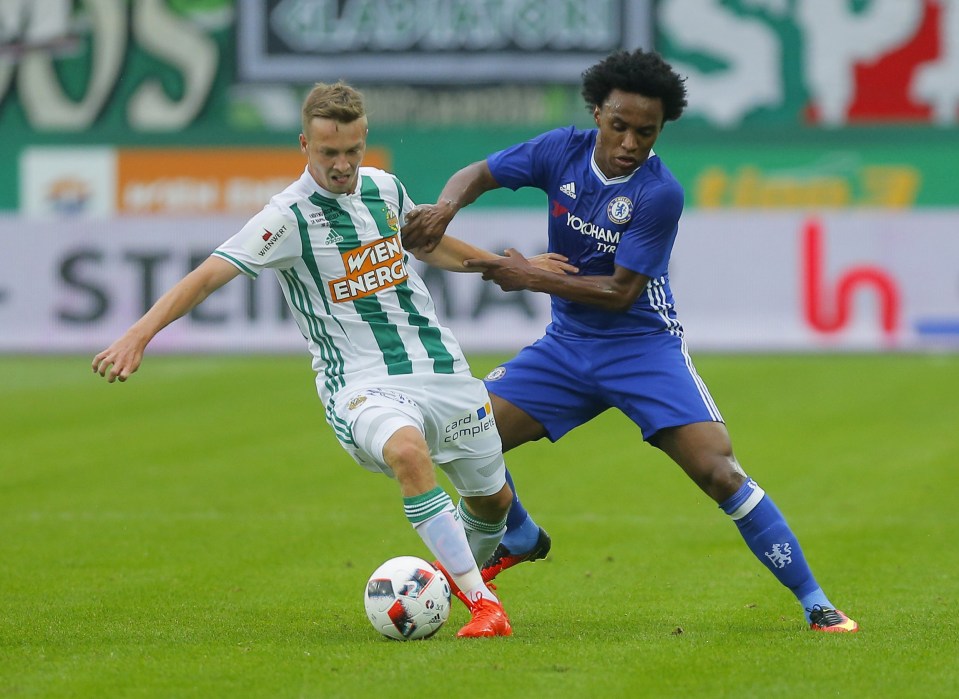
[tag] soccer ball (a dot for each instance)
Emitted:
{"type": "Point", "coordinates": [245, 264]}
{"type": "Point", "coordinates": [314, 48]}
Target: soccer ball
{"type": "Point", "coordinates": [406, 599]}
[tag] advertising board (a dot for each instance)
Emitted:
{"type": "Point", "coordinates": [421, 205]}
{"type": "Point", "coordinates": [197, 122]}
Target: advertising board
{"type": "Point", "coordinates": [833, 281]}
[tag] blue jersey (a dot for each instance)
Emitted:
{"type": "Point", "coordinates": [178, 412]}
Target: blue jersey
{"type": "Point", "coordinates": [599, 222]}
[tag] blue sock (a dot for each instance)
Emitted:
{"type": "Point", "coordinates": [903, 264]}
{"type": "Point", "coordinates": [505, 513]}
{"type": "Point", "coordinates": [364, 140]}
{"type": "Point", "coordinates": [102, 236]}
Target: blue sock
{"type": "Point", "coordinates": [521, 531]}
{"type": "Point", "coordinates": [771, 540]}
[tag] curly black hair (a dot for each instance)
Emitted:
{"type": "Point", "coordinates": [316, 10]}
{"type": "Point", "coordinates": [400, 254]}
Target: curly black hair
{"type": "Point", "coordinates": [642, 72]}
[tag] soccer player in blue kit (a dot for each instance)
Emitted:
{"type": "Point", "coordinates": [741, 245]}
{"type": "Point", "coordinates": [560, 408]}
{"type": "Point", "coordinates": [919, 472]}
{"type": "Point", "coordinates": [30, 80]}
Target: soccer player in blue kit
{"type": "Point", "coordinates": [615, 339]}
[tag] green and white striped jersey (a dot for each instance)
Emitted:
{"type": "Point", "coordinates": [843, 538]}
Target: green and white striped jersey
{"type": "Point", "coordinates": [366, 315]}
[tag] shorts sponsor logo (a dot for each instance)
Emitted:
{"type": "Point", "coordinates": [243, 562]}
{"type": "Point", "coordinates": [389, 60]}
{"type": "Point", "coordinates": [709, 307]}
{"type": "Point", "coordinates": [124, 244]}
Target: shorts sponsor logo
{"type": "Point", "coordinates": [497, 373]}
{"type": "Point", "coordinates": [472, 424]}
{"type": "Point", "coordinates": [356, 402]}
{"type": "Point", "coordinates": [369, 269]}
{"type": "Point", "coordinates": [389, 394]}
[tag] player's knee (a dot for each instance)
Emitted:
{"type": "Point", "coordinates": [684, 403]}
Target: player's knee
{"type": "Point", "coordinates": [491, 508]}
{"type": "Point", "coordinates": [722, 478]}
{"type": "Point", "coordinates": [498, 505]}
{"type": "Point", "coordinates": [406, 451]}
{"type": "Point", "coordinates": [502, 500]}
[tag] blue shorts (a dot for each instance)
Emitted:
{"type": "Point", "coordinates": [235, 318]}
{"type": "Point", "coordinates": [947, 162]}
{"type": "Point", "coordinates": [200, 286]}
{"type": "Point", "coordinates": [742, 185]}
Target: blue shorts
{"type": "Point", "coordinates": [563, 381]}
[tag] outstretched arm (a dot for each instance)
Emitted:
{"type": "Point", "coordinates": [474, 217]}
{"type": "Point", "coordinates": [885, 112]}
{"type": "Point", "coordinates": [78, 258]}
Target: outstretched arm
{"type": "Point", "coordinates": [451, 253]}
{"type": "Point", "coordinates": [426, 224]}
{"type": "Point", "coordinates": [512, 272]}
{"type": "Point", "coordinates": [123, 357]}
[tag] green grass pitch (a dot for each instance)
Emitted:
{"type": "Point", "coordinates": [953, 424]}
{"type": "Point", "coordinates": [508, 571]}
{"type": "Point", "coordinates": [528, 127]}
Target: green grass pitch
{"type": "Point", "coordinates": [197, 532]}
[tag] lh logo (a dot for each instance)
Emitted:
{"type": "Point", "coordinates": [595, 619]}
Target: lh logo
{"type": "Point", "coordinates": [828, 311]}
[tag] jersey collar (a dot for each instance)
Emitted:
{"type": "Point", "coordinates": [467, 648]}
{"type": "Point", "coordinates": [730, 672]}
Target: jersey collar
{"type": "Point", "coordinates": [613, 180]}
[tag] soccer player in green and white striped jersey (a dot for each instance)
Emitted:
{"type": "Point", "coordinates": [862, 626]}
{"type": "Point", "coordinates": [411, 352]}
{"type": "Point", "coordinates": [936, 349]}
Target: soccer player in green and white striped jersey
{"type": "Point", "coordinates": [397, 390]}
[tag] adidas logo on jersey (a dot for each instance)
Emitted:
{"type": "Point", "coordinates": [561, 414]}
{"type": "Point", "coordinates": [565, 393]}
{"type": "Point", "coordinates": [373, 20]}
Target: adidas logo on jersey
{"type": "Point", "coordinates": [569, 189]}
{"type": "Point", "coordinates": [333, 238]}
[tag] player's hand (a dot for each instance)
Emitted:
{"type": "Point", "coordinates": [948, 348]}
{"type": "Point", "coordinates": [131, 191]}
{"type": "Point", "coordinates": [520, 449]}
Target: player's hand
{"type": "Point", "coordinates": [119, 360]}
{"type": "Point", "coordinates": [512, 271]}
{"type": "Point", "coordinates": [553, 262]}
{"type": "Point", "coordinates": [425, 226]}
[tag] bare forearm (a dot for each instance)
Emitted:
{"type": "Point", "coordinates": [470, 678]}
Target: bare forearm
{"type": "Point", "coordinates": [600, 291]}
{"type": "Point", "coordinates": [182, 298]}
{"type": "Point", "coordinates": [450, 254]}
{"type": "Point", "coordinates": [466, 186]}
{"type": "Point", "coordinates": [122, 358]}
{"type": "Point", "coordinates": [425, 225]}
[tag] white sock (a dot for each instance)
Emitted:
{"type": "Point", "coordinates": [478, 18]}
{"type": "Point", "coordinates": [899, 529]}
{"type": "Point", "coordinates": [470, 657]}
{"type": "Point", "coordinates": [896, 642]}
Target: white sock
{"type": "Point", "coordinates": [445, 537]}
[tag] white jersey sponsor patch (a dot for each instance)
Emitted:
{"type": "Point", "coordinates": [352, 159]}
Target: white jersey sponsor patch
{"type": "Point", "coordinates": [271, 228]}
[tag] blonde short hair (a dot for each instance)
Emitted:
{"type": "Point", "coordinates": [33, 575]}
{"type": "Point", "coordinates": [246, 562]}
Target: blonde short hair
{"type": "Point", "coordinates": [338, 101]}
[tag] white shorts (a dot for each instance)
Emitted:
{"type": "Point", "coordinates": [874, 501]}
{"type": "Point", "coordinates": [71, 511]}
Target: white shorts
{"type": "Point", "coordinates": [453, 413]}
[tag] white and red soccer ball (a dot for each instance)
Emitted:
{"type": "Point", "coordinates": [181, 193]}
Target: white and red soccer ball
{"type": "Point", "coordinates": [407, 599]}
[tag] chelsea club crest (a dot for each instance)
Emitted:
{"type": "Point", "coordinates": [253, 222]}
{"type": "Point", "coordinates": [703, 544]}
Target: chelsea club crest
{"type": "Point", "coordinates": [620, 210]}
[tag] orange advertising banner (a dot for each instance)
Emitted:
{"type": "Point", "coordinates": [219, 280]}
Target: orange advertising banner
{"type": "Point", "coordinates": [209, 180]}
